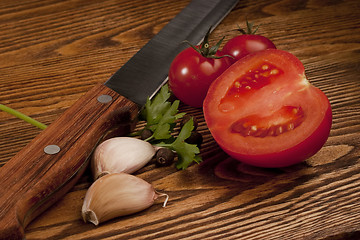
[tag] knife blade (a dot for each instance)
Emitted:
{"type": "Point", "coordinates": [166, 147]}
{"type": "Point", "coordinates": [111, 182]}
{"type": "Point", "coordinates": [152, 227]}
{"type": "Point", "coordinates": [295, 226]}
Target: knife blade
{"type": "Point", "coordinates": [162, 48]}
{"type": "Point", "coordinates": [52, 162]}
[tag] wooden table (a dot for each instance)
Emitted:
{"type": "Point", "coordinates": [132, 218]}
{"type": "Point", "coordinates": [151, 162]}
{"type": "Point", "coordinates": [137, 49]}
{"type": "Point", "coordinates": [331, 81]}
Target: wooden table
{"type": "Point", "coordinates": [52, 52]}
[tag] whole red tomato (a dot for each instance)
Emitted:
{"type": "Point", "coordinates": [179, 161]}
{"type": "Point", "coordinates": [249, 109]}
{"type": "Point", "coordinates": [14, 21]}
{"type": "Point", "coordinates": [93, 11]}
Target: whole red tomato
{"type": "Point", "coordinates": [264, 112]}
{"type": "Point", "coordinates": [191, 74]}
{"type": "Point", "coordinates": [194, 69]}
{"type": "Point", "coordinates": [242, 45]}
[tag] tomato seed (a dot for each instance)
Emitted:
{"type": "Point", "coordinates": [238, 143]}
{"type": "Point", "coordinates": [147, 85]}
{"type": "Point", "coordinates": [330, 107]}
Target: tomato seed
{"type": "Point", "coordinates": [290, 126]}
{"type": "Point", "coordinates": [274, 71]}
{"type": "Point", "coordinates": [265, 67]}
{"type": "Point", "coordinates": [265, 74]}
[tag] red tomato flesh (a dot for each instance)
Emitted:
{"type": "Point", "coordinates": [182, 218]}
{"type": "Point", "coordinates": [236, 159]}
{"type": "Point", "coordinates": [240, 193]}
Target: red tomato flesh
{"type": "Point", "coordinates": [264, 112]}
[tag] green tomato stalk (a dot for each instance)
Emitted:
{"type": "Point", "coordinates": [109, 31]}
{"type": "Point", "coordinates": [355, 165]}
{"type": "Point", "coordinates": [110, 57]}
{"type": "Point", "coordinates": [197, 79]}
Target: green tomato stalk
{"type": "Point", "coordinates": [249, 28]}
{"type": "Point", "coordinates": [22, 116]}
{"type": "Point", "coordinates": [205, 50]}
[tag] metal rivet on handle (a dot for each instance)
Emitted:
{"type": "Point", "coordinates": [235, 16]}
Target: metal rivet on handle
{"type": "Point", "coordinates": [104, 98]}
{"type": "Point", "coordinates": [51, 149]}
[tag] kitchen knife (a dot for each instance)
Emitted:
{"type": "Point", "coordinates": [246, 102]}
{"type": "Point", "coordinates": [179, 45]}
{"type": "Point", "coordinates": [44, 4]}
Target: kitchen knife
{"type": "Point", "coordinates": [51, 163]}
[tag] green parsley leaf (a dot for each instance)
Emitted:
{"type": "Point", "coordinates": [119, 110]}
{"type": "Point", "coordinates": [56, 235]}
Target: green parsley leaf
{"type": "Point", "coordinates": [155, 109]}
{"type": "Point", "coordinates": [161, 116]}
{"type": "Point", "coordinates": [187, 153]}
{"type": "Point", "coordinates": [163, 128]}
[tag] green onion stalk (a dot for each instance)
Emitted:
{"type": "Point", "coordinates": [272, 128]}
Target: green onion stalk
{"type": "Point", "coordinates": [22, 116]}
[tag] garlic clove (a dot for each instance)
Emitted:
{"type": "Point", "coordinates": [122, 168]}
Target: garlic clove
{"type": "Point", "coordinates": [121, 154]}
{"type": "Point", "coordinates": [116, 195]}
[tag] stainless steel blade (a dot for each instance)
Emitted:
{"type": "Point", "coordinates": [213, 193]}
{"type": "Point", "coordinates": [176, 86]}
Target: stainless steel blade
{"type": "Point", "coordinates": [145, 72]}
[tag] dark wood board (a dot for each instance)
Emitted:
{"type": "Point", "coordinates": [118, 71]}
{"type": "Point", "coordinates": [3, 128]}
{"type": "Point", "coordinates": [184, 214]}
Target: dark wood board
{"type": "Point", "coordinates": [52, 52]}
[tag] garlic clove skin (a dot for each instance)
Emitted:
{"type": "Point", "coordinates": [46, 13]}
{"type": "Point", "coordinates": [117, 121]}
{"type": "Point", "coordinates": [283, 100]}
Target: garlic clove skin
{"type": "Point", "coordinates": [121, 154]}
{"type": "Point", "coordinates": [116, 195]}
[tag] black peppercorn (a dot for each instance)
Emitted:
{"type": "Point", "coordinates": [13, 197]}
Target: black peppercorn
{"type": "Point", "coordinates": [186, 118]}
{"type": "Point", "coordinates": [145, 134]}
{"type": "Point", "coordinates": [195, 138]}
{"type": "Point", "coordinates": [164, 157]}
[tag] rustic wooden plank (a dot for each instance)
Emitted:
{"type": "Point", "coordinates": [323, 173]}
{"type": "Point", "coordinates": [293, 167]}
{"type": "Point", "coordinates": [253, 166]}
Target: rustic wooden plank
{"type": "Point", "coordinates": [52, 53]}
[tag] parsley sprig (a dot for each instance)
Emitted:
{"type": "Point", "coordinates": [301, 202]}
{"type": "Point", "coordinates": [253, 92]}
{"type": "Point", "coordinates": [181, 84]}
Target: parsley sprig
{"type": "Point", "coordinates": [187, 153]}
{"type": "Point", "coordinates": [161, 116]}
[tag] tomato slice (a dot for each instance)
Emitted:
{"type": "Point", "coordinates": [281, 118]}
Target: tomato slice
{"type": "Point", "coordinates": [264, 112]}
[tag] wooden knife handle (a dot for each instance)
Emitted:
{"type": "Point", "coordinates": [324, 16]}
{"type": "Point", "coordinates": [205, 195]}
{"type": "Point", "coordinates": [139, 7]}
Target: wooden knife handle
{"type": "Point", "coordinates": [33, 179]}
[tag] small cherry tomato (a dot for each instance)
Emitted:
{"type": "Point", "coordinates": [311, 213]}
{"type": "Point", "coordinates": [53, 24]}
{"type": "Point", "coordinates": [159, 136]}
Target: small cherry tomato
{"type": "Point", "coordinates": [240, 46]}
{"type": "Point", "coordinates": [264, 112]}
{"type": "Point", "coordinates": [194, 69]}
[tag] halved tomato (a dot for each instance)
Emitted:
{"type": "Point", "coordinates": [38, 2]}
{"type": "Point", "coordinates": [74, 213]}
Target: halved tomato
{"type": "Point", "coordinates": [263, 111]}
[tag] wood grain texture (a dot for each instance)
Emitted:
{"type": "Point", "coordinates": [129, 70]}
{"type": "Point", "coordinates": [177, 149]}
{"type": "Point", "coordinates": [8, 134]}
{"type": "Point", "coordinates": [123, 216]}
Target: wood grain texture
{"type": "Point", "coordinates": [52, 52]}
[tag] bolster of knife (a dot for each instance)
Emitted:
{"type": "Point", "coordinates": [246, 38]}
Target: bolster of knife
{"type": "Point", "coordinates": [51, 163]}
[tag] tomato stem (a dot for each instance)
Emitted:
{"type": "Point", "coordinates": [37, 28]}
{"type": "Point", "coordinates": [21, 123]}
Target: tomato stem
{"type": "Point", "coordinates": [205, 50]}
{"type": "Point", "coordinates": [249, 28]}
